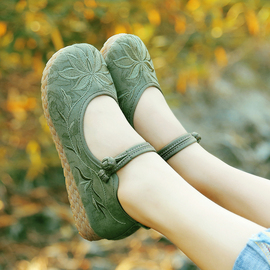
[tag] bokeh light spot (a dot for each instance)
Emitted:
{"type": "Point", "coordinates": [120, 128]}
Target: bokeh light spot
{"type": "Point", "coordinates": [35, 26]}
{"type": "Point", "coordinates": [3, 28]}
{"type": "Point", "coordinates": [31, 43]}
{"type": "Point", "coordinates": [216, 32]}
{"type": "Point", "coordinates": [193, 5]}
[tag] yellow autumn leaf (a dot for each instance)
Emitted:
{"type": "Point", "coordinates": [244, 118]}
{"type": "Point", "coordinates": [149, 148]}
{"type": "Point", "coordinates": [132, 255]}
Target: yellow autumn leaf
{"type": "Point", "coordinates": [154, 17]}
{"type": "Point", "coordinates": [32, 147]}
{"type": "Point", "coordinates": [18, 104]}
{"type": "Point", "coordinates": [38, 64]}
{"type": "Point", "coordinates": [193, 5]}
{"type": "Point", "coordinates": [89, 14]}
{"type": "Point", "coordinates": [180, 25]}
{"type": "Point", "coordinates": [264, 14]}
{"type": "Point", "coordinates": [120, 29]}
{"type": "Point", "coordinates": [2, 205]}
{"type": "Point", "coordinates": [234, 11]}
{"type": "Point", "coordinates": [181, 85]}
{"type": "Point", "coordinates": [90, 3]}
{"type": "Point", "coordinates": [36, 5]}
{"type": "Point", "coordinates": [7, 39]}
{"type": "Point", "coordinates": [57, 39]}
{"type": "Point", "coordinates": [193, 77]}
{"type": "Point", "coordinates": [31, 43]}
{"type": "Point", "coordinates": [3, 152]}
{"type": "Point", "coordinates": [20, 6]}
{"type": "Point", "coordinates": [15, 106]}
{"type": "Point", "coordinates": [252, 22]}
{"type": "Point", "coordinates": [6, 220]}
{"type": "Point", "coordinates": [27, 59]}
{"type": "Point", "coordinates": [145, 32]}
{"type": "Point", "coordinates": [267, 27]}
{"type": "Point", "coordinates": [44, 124]}
{"type": "Point", "coordinates": [28, 209]}
{"type": "Point", "coordinates": [3, 28]}
{"type": "Point", "coordinates": [19, 44]}
{"type": "Point", "coordinates": [221, 56]}
{"type": "Point", "coordinates": [36, 166]}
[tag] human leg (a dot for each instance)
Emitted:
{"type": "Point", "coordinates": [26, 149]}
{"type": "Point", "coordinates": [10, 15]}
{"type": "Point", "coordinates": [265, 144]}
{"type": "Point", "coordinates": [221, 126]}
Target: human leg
{"type": "Point", "coordinates": [146, 109]}
{"type": "Point", "coordinates": [242, 193]}
{"type": "Point", "coordinates": [79, 98]}
{"type": "Point", "coordinates": [152, 193]}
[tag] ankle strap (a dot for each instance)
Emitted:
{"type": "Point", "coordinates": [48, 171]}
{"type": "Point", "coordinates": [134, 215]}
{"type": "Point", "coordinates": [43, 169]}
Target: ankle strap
{"type": "Point", "coordinates": [179, 144]}
{"type": "Point", "coordinates": [111, 165]}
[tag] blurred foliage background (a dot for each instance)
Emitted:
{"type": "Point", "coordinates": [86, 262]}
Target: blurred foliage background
{"type": "Point", "coordinates": [212, 60]}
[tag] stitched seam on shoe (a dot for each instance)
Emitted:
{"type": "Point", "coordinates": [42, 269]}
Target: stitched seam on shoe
{"type": "Point", "coordinates": [132, 154]}
{"type": "Point", "coordinates": [174, 145]}
{"type": "Point", "coordinates": [167, 156]}
{"type": "Point", "coordinates": [173, 148]}
{"type": "Point", "coordinates": [167, 153]}
{"type": "Point", "coordinates": [170, 146]}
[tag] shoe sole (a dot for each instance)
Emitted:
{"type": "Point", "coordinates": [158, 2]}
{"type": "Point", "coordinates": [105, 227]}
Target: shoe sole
{"type": "Point", "coordinates": [78, 210]}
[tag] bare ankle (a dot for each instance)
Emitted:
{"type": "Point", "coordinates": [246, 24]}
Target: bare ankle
{"type": "Point", "coordinates": [154, 120]}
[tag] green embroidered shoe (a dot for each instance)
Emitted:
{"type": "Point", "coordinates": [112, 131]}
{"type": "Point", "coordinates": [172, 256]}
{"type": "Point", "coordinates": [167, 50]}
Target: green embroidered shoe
{"type": "Point", "coordinates": [131, 68]}
{"type": "Point", "coordinates": [72, 78]}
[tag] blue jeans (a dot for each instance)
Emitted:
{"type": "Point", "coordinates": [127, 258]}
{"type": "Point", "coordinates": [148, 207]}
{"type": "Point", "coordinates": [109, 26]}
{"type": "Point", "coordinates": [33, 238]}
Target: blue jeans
{"type": "Point", "coordinates": [256, 254]}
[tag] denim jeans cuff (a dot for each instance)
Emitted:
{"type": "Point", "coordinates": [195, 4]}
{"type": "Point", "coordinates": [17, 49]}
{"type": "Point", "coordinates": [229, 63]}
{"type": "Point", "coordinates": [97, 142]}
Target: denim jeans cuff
{"type": "Point", "coordinates": [256, 254]}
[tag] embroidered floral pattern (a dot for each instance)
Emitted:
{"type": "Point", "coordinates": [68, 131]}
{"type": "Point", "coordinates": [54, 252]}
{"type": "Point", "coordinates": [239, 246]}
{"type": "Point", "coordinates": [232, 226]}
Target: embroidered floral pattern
{"type": "Point", "coordinates": [87, 180]}
{"type": "Point", "coordinates": [131, 67]}
{"type": "Point", "coordinates": [56, 107]}
{"type": "Point", "coordinates": [138, 62]}
{"type": "Point", "coordinates": [85, 69]}
{"type": "Point", "coordinates": [137, 59]}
